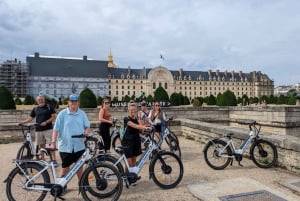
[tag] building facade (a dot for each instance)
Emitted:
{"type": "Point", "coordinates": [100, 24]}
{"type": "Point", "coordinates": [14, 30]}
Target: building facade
{"type": "Point", "coordinates": [62, 76]}
{"type": "Point", "coordinates": [14, 76]}
{"type": "Point", "coordinates": [128, 81]}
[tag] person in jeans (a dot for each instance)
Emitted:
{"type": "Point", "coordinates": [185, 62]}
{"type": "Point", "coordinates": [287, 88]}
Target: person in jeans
{"type": "Point", "coordinates": [143, 114]}
{"type": "Point", "coordinates": [44, 114]}
{"type": "Point", "coordinates": [157, 118]}
{"type": "Point", "coordinates": [106, 121]}
{"type": "Point", "coordinates": [70, 121]}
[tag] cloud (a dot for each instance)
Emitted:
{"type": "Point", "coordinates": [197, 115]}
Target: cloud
{"type": "Point", "coordinates": [194, 34]}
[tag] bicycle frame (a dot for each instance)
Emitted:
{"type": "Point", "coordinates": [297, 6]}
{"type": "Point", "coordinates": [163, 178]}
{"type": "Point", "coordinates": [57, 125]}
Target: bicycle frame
{"type": "Point", "coordinates": [28, 138]}
{"type": "Point", "coordinates": [60, 181]}
{"type": "Point", "coordinates": [145, 156]}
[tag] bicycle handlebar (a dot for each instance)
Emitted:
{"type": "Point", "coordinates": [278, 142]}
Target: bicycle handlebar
{"type": "Point", "coordinates": [83, 135]}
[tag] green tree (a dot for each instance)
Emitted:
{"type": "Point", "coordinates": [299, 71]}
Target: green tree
{"type": "Point", "coordinates": [186, 100]}
{"type": "Point", "coordinates": [264, 98]}
{"type": "Point", "coordinates": [200, 99]}
{"type": "Point", "coordinates": [18, 101]}
{"type": "Point", "coordinates": [29, 100]}
{"type": "Point", "coordinates": [174, 99]}
{"type": "Point", "coordinates": [99, 100]}
{"type": "Point", "coordinates": [227, 99]}
{"type": "Point", "coordinates": [211, 100]}
{"type": "Point", "coordinates": [281, 100]}
{"type": "Point", "coordinates": [126, 99]}
{"type": "Point", "coordinates": [161, 95]}
{"type": "Point", "coordinates": [245, 100]}
{"type": "Point", "coordinates": [6, 99]}
{"type": "Point", "coordinates": [292, 99]}
{"type": "Point", "coordinates": [87, 99]}
{"type": "Point", "coordinates": [272, 99]}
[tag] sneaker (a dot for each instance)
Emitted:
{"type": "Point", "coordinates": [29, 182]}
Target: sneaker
{"type": "Point", "coordinates": [64, 191]}
{"type": "Point", "coordinates": [55, 163]}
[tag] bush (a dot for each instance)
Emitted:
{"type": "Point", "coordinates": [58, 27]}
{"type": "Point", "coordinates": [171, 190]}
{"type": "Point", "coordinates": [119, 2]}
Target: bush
{"type": "Point", "coordinates": [18, 101]}
{"type": "Point", "coordinates": [87, 99]}
{"type": "Point", "coordinates": [29, 100]}
{"type": "Point", "coordinates": [6, 99]}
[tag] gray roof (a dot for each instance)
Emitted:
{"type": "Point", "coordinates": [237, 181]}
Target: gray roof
{"type": "Point", "coordinates": [194, 75]}
{"type": "Point", "coordinates": [66, 67]}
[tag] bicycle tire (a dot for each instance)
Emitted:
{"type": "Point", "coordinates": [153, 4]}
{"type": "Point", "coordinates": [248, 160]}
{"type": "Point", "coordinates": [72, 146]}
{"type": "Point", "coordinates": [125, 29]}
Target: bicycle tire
{"type": "Point", "coordinates": [173, 136]}
{"type": "Point", "coordinates": [24, 153]}
{"type": "Point", "coordinates": [116, 142]}
{"type": "Point", "coordinates": [108, 183]}
{"type": "Point", "coordinates": [263, 153]}
{"type": "Point", "coordinates": [174, 146]}
{"type": "Point", "coordinates": [16, 177]}
{"type": "Point", "coordinates": [163, 170]}
{"type": "Point", "coordinates": [209, 156]}
{"type": "Point", "coordinates": [111, 159]}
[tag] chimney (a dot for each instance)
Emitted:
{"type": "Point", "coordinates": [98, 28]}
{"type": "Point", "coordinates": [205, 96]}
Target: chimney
{"type": "Point", "coordinates": [36, 54]}
{"type": "Point", "coordinates": [84, 58]}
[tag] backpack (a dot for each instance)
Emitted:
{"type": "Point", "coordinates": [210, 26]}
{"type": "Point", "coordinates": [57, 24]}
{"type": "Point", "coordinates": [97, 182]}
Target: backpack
{"type": "Point", "coordinates": [122, 131]}
{"type": "Point", "coordinates": [36, 107]}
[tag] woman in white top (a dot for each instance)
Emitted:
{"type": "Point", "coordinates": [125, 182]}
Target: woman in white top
{"type": "Point", "coordinates": [156, 118]}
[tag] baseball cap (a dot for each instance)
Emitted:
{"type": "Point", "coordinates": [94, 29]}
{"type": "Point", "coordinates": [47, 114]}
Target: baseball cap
{"type": "Point", "coordinates": [73, 97]}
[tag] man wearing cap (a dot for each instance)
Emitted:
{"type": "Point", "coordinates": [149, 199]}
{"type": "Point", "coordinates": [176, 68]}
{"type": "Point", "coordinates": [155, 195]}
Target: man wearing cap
{"type": "Point", "coordinates": [70, 121]}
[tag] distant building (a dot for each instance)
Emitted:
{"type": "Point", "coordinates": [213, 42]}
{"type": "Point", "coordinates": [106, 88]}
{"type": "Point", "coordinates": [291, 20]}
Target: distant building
{"type": "Point", "coordinates": [129, 81]}
{"type": "Point", "coordinates": [62, 76]}
{"type": "Point", "coordinates": [285, 89]}
{"type": "Point", "coordinates": [14, 76]}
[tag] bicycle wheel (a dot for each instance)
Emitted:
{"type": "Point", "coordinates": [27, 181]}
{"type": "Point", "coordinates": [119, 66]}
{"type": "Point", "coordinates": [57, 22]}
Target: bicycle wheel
{"type": "Point", "coordinates": [116, 142]}
{"type": "Point", "coordinates": [111, 159]}
{"type": "Point", "coordinates": [16, 179]}
{"type": "Point", "coordinates": [24, 152]}
{"type": "Point", "coordinates": [166, 170]}
{"type": "Point", "coordinates": [172, 136]}
{"type": "Point", "coordinates": [216, 155]}
{"type": "Point", "coordinates": [174, 146]}
{"type": "Point", "coordinates": [103, 181]}
{"type": "Point", "coordinates": [263, 153]}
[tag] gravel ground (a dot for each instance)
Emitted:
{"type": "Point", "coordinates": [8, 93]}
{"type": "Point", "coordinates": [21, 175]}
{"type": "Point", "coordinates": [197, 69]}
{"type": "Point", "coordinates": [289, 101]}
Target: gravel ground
{"type": "Point", "coordinates": [195, 170]}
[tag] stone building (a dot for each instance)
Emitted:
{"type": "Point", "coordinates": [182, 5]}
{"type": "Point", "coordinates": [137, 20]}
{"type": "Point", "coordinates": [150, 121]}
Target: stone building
{"type": "Point", "coordinates": [129, 81]}
{"type": "Point", "coordinates": [62, 76]}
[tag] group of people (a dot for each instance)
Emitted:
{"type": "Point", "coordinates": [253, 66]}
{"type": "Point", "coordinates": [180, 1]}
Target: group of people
{"type": "Point", "coordinates": [72, 121]}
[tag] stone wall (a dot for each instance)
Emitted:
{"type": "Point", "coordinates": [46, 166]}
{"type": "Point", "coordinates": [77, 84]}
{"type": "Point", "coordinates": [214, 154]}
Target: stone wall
{"type": "Point", "coordinates": [288, 147]}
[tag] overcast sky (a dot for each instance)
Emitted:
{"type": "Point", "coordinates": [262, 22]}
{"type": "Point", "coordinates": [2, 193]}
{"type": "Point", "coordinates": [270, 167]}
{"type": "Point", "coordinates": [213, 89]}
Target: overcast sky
{"type": "Point", "coordinates": [247, 35]}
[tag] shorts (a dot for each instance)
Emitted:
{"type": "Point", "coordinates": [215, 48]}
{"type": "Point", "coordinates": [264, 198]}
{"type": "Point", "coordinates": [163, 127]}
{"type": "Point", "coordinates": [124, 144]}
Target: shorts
{"type": "Point", "coordinates": [43, 137]}
{"type": "Point", "coordinates": [68, 158]}
{"type": "Point", "coordinates": [131, 147]}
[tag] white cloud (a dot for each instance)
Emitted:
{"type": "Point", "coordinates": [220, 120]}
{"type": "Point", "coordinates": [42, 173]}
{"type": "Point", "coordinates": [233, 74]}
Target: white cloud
{"type": "Point", "coordinates": [193, 34]}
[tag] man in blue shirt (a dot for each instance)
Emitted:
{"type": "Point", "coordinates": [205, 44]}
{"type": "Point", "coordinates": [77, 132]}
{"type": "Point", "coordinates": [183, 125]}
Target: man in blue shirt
{"type": "Point", "coordinates": [70, 121]}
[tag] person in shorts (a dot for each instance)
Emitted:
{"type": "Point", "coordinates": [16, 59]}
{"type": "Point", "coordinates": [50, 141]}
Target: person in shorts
{"type": "Point", "coordinates": [70, 121]}
{"type": "Point", "coordinates": [44, 114]}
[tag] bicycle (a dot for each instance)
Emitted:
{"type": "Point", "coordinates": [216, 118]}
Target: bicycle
{"type": "Point", "coordinates": [100, 179]}
{"type": "Point", "coordinates": [28, 150]}
{"type": "Point", "coordinates": [220, 153]}
{"type": "Point", "coordinates": [171, 140]}
{"type": "Point", "coordinates": [163, 164]}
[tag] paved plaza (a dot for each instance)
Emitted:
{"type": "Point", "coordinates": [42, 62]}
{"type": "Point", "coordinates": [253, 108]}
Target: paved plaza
{"type": "Point", "coordinates": [199, 181]}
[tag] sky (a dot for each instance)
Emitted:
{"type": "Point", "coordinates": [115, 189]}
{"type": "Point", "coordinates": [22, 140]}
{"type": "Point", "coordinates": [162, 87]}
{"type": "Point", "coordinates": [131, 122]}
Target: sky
{"type": "Point", "coordinates": [202, 35]}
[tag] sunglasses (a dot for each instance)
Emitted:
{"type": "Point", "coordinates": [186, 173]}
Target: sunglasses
{"type": "Point", "coordinates": [157, 105]}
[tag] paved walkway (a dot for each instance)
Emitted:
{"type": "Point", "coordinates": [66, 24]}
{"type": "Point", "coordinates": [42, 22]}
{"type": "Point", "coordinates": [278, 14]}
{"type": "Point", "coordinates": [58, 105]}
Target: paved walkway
{"type": "Point", "coordinates": [199, 182]}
